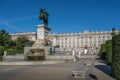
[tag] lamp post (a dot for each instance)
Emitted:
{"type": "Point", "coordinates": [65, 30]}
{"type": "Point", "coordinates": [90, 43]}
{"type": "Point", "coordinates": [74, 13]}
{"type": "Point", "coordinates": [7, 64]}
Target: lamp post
{"type": "Point", "coordinates": [113, 31]}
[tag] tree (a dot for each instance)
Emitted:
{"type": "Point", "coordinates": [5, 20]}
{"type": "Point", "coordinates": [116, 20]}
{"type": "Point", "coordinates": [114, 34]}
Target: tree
{"type": "Point", "coordinates": [21, 42]}
{"type": "Point", "coordinates": [5, 39]}
{"type": "Point", "coordinates": [13, 44]}
{"type": "Point", "coordinates": [4, 42]}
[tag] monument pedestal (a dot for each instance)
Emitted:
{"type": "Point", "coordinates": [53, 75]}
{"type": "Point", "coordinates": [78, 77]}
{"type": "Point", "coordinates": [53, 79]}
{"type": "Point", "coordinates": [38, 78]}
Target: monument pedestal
{"type": "Point", "coordinates": [43, 34]}
{"type": "Point", "coordinates": [39, 50]}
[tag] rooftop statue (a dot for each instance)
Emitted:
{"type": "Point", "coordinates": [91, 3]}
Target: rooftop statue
{"type": "Point", "coordinates": [44, 16]}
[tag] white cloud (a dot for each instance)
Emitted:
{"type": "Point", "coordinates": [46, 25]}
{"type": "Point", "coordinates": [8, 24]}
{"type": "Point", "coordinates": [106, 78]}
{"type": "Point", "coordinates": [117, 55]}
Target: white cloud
{"type": "Point", "coordinates": [5, 22]}
{"type": "Point", "coordinates": [23, 18]}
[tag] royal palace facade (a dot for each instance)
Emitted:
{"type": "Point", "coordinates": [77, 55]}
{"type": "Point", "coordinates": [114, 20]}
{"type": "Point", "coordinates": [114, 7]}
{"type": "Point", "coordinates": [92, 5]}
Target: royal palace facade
{"type": "Point", "coordinates": [72, 41]}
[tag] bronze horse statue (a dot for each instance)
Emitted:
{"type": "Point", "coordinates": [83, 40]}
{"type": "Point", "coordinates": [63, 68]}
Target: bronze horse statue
{"type": "Point", "coordinates": [44, 16]}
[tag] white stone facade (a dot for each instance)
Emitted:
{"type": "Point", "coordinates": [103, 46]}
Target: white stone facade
{"type": "Point", "coordinates": [73, 41]}
{"type": "Point", "coordinates": [32, 36]}
{"type": "Point", "coordinates": [78, 41]}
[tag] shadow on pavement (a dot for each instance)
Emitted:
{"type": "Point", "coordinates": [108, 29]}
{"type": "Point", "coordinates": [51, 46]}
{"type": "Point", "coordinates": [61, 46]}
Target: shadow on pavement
{"type": "Point", "coordinates": [104, 68]}
{"type": "Point", "coordinates": [93, 76]}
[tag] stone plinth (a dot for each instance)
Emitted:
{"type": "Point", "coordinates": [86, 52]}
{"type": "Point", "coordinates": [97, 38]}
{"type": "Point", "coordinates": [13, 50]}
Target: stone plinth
{"type": "Point", "coordinates": [43, 33]}
{"type": "Point", "coordinates": [39, 49]}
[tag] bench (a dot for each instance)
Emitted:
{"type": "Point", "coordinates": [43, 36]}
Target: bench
{"type": "Point", "coordinates": [79, 74]}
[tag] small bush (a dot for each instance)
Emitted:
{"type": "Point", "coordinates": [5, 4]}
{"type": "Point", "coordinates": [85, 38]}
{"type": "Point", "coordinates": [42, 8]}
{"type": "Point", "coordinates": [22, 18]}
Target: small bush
{"type": "Point", "coordinates": [1, 51]}
{"type": "Point", "coordinates": [11, 52]}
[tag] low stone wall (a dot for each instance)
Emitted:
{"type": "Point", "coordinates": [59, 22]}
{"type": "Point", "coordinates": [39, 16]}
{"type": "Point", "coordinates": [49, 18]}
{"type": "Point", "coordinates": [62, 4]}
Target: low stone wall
{"type": "Point", "coordinates": [58, 57]}
{"type": "Point", "coordinates": [48, 57]}
{"type": "Point", "coordinates": [17, 57]}
{"type": "Point", "coordinates": [31, 62]}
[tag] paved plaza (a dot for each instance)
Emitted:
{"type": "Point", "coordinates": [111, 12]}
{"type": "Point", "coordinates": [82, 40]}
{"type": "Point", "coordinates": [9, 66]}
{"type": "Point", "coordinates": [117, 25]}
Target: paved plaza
{"type": "Point", "coordinates": [95, 70]}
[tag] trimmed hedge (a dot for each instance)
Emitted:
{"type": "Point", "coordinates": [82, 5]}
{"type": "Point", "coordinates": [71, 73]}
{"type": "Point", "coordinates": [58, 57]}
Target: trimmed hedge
{"type": "Point", "coordinates": [14, 52]}
{"type": "Point", "coordinates": [11, 52]}
{"type": "Point", "coordinates": [109, 51]}
{"type": "Point", "coordinates": [102, 52]}
{"type": "Point", "coordinates": [105, 52]}
{"type": "Point", "coordinates": [116, 57]}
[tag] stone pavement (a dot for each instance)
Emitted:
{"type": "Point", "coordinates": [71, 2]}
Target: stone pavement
{"type": "Point", "coordinates": [97, 69]}
{"type": "Point", "coordinates": [102, 71]}
{"type": "Point", "coordinates": [31, 62]}
{"type": "Point", "coordinates": [52, 71]}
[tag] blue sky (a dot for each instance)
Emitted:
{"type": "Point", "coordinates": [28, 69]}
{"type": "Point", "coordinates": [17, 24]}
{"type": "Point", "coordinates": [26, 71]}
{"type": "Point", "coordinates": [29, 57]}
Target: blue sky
{"type": "Point", "coordinates": [65, 15]}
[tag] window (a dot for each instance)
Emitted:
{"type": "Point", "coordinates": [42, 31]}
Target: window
{"type": "Point", "coordinates": [65, 38]}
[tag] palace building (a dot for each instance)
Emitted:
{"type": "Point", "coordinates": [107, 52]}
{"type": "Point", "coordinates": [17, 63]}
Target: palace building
{"type": "Point", "coordinates": [72, 41]}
